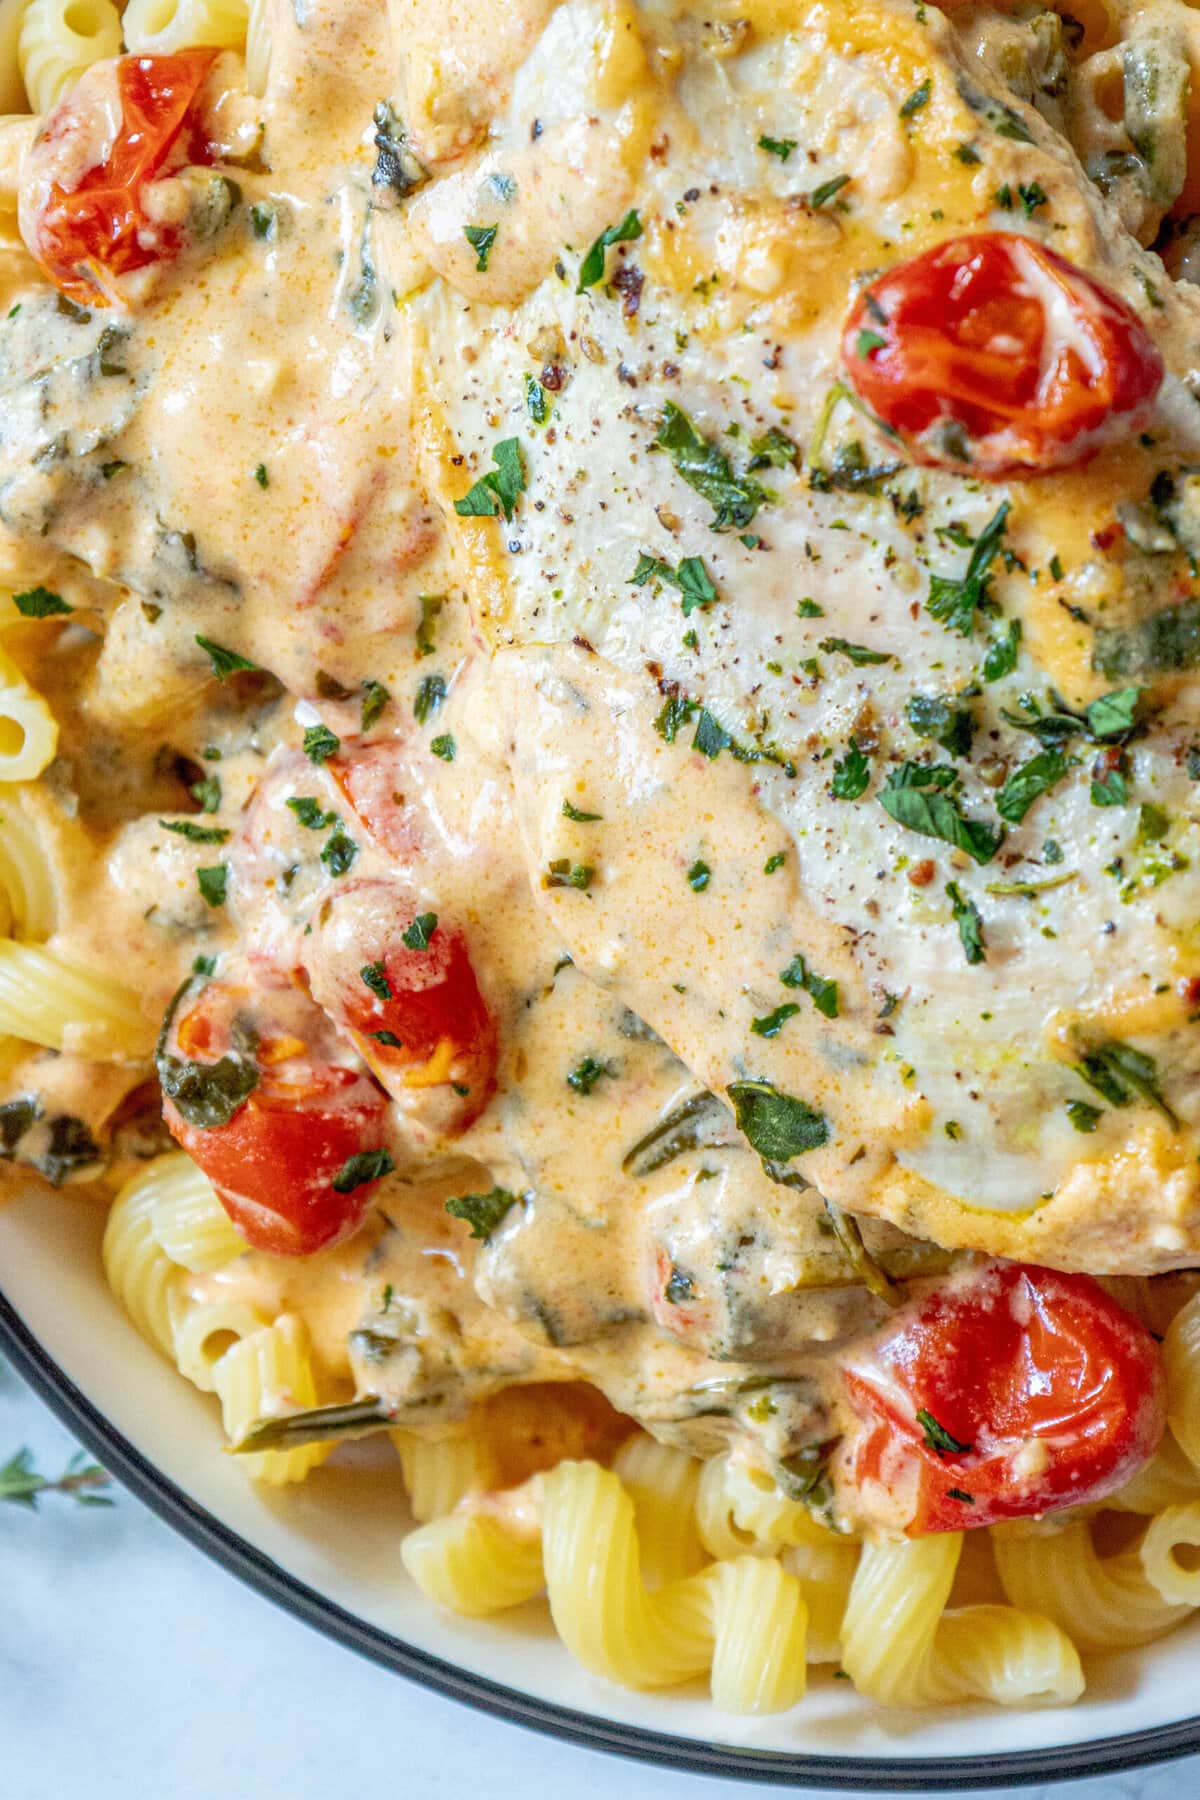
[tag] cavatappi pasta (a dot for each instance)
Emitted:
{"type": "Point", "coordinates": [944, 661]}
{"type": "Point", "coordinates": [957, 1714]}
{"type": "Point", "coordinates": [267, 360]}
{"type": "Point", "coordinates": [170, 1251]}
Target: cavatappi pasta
{"type": "Point", "coordinates": [598, 756]}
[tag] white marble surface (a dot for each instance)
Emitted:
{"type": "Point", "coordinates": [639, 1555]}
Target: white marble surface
{"type": "Point", "coordinates": [131, 1668]}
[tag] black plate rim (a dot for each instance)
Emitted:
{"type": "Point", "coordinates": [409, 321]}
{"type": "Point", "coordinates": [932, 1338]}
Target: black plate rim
{"type": "Point", "coordinates": [231, 1551]}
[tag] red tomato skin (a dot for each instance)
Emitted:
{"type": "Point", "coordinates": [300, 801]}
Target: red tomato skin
{"type": "Point", "coordinates": [273, 1163]}
{"type": "Point", "coordinates": [447, 1038]}
{"type": "Point", "coordinates": [1058, 1392]}
{"type": "Point", "coordinates": [87, 236]}
{"type": "Point", "coordinates": [968, 332]}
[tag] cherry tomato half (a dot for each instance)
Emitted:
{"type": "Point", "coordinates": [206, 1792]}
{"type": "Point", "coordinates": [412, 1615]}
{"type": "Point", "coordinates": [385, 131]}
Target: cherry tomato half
{"type": "Point", "coordinates": [252, 1094]}
{"type": "Point", "coordinates": [1006, 1392]}
{"type": "Point", "coordinates": [992, 354]}
{"type": "Point", "coordinates": [92, 224]}
{"type": "Point", "coordinates": [399, 979]}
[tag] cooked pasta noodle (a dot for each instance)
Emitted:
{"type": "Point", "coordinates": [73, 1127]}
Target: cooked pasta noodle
{"type": "Point", "coordinates": [188, 1220]}
{"type": "Point", "coordinates": [205, 1329]}
{"type": "Point", "coordinates": [47, 1000]}
{"type": "Point", "coordinates": [663, 1483]}
{"type": "Point", "coordinates": [258, 47]}
{"type": "Point", "coordinates": [12, 88]}
{"type": "Point", "coordinates": [59, 40]}
{"type": "Point", "coordinates": [1168, 1479]}
{"type": "Point", "coordinates": [1181, 1354]}
{"type": "Point", "coordinates": [1103, 1602]}
{"type": "Point", "coordinates": [470, 1563]}
{"type": "Point", "coordinates": [903, 1648]}
{"type": "Point", "coordinates": [140, 1273]}
{"type": "Point", "coordinates": [269, 1371]}
{"type": "Point", "coordinates": [1169, 1553]}
{"type": "Point", "coordinates": [154, 27]}
{"type": "Point", "coordinates": [439, 1472]}
{"type": "Point", "coordinates": [28, 732]}
{"type": "Point", "coordinates": [27, 902]}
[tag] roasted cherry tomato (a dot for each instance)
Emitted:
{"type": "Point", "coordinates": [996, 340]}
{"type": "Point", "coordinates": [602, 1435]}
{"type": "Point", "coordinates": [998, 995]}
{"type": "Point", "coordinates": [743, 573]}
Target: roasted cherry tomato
{"type": "Point", "coordinates": [993, 354]}
{"type": "Point", "coordinates": [89, 222]}
{"type": "Point", "coordinates": [1007, 1391]}
{"type": "Point", "coordinates": [292, 1139]}
{"type": "Point", "coordinates": [399, 979]}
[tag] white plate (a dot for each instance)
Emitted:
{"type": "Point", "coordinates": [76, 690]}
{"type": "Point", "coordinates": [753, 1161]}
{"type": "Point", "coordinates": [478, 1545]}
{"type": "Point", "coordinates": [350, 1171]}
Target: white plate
{"type": "Point", "coordinates": [329, 1552]}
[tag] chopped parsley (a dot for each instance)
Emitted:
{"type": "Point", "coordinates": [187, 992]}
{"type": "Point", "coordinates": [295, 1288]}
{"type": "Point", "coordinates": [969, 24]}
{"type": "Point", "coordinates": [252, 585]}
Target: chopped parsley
{"type": "Point", "coordinates": [691, 578]}
{"type": "Point", "coordinates": [969, 921]}
{"type": "Point", "coordinates": [481, 239]}
{"type": "Point", "coordinates": [773, 1023]}
{"type": "Point", "coordinates": [780, 147]}
{"type": "Point", "coordinates": [563, 873]}
{"type": "Point", "coordinates": [707, 469]}
{"type": "Point", "coordinates": [499, 490]}
{"type": "Point", "coordinates": [537, 401]}
{"type": "Point", "coordinates": [41, 603]}
{"type": "Point", "coordinates": [823, 994]}
{"type": "Point", "coordinates": [1117, 1071]}
{"type": "Point", "coordinates": [851, 774]}
{"type": "Point", "coordinates": [431, 692]}
{"type": "Point", "coordinates": [375, 976]}
{"type": "Point", "coordinates": [938, 1438]}
{"type": "Point", "coordinates": [586, 1074]}
{"type": "Point", "coordinates": [339, 853]}
{"type": "Point", "coordinates": [358, 1170]}
{"type": "Point", "coordinates": [808, 609]}
{"type": "Point", "coordinates": [482, 1212]}
{"type": "Point", "coordinates": [953, 727]}
{"type": "Point", "coordinates": [1110, 789]}
{"type": "Point", "coordinates": [1000, 658]}
{"type": "Point", "coordinates": [773, 450]}
{"type": "Point", "coordinates": [918, 99]}
{"type": "Point", "coordinates": [311, 813]}
{"type": "Point", "coordinates": [1083, 1116]}
{"type": "Point", "coordinates": [579, 817]}
{"type": "Point", "coordinates": [261, 476]}
{"type": "Point", "coordinates": [420, 933]}
{"type": "Point", "coordinates": [320, 743]}
{"type": "Point", "coordinates": [857, 653]}
{"type": "Point", "coordinates": [954, 600]}
{"type": "Point", "coordinates": [591, 269]}
{"type": "Point", "coordinates": [1029, 782]}
{"type": "Point", "coordinates": [213, 884]}
{"type": "Point", "coordinates": [444, 747]}
{"type": "Point", "coordinates": [699, 876]}
{"type": "Point", "coordinates": [195, 834]}
{"type": "Point", "coordinates": [225, 662]}
{"type": "Point", "coordinates": [821, 196]}
{"type": "Point", "coordinates": [914, 795]}
{"type": "Point", "coordinates": [431, 606]}
{"type": "Point", "coordinates": [775, 861]}
{"type": "Point", "coordinates": [207, 793]}
{"type": "Point", "coordinates": [375, 699]}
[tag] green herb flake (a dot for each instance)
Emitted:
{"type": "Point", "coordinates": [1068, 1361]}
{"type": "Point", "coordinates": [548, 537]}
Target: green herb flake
{"type": "Point", "coordinates": [195, 834]}
{"type": "Point", "coordinates": [777, 1125]}
{"type": "Point", "coordinates": [482, 1212]}
{"type": "Point", "coordinates": [914, 796]}
{"type": "Point", "coordinates": [775, 861]}
{"type": "Point", "coordinates": [499, 490]}
{"type": "Point", "coordinates": [851, 774]}
{"type": "Point", "coordinates": [808, 609]}
{"type": "Point", "coordinates": [563, 873]}
{"type": "Point", "coordinates": [699, 876]}
{"type": "Point", "coordinates": [570, 811]}
{"type": "Point", "coordinates": [261, 476]}
{"type": "Point", "coordinates": [1002, 653]}
{"type": "Point", "coordinates": [691, 578]}
{"type": "Point", "coordinates": [537, 401]}
{"type": "Point", "coordinates": [917, 100]}
{"type": "Point", "coordinates": [340, 853]}
{"type": "Point", "coordinates": [780, 147]}
{"type": "Point", "coordinates": [359, 1170]}
{"type": "Point", "coordinates": [431, 607]}
{"type": "Point", "coordinates": [420, 932]}
{"type": "Point", "coordinates": [213, 884]}
{"type": "Point", "coordinates": [1083, 1116]}
{"type": "Point", "coordinates": [1029, 782]}
{"type": "Point", "coordinates": [431, 693]}
{"type": "Point", "coordinates": [938, 1438]}
{"type": "Point", "coordinates": [375, 700]}
{"type": "Point", "coordinates": [955, 600]}
{"type": "Point", "coordinates": [1111, 789]}
{"type": "Point", "coordinates": [320, 743]}
{"type": "Point", "coordinates": [40, 603]}
{"type": "Point", "coordinates": [707, 469]}
{"type": "Point", "coordinates": [969, 921]}
{"type": "Point", "coordinates": [591, 270]}
{"type": "Point", "coordinates": [444, 747]}
{"type": "Point", "coordinates": [824, 994]}
{"type": "Point", "coordinates": [375, 976]}
{"type": "Point", "coordinates": [583, 1078]}
{"type": "Point", "coordinates": [481, 239]}
{"type": "Point", "coordinates": [821, 196]}
{"type": "Point", "coordinates": [867, 342]}
{"type": "Point", "coordinates": [858, 654]}
{"type": "Point", "coordinates": [225, 662]}
{"type": "Point", "coordinates": [311, 813]}
{"type": "Point", "coordinates": [773, 1023]}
